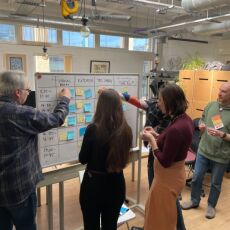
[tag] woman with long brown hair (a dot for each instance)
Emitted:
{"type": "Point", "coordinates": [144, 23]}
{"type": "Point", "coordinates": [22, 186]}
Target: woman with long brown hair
{"type": "Point", "coordinates": [105, 150]}
{"type": "Point", "coordinates": [170, 150]}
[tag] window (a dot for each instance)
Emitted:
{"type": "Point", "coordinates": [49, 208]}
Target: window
{"type": "Point", "coordinates": [57, 64]}
{"type": "Point", "coordinates": [70, 38]}
{"type": "Point", "coordinates": [39, 34]}
{"type": "Point", "coordinates": [7, 33]}
{"type": "Point", "coordinates": [147, 66]}
{"type": "Point", "coordinates": [111, 41]}
{"type": "Point", "coordinates": [140, 44]}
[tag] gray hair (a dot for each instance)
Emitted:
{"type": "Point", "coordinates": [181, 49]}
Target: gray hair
{"type": "Point", "coordinates": [10, 82]}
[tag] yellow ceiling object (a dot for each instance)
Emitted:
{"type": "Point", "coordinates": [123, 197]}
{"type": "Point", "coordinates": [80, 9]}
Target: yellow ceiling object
{"type": "Point", "coordinates": [68, 7]}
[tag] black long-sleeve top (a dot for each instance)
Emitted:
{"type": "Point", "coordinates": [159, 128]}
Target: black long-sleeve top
{"type": "Point", "coordinates": [93, 152]}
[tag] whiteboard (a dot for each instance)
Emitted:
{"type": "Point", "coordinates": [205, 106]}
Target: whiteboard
{"type": "Point", "coordinates": [61, 145]}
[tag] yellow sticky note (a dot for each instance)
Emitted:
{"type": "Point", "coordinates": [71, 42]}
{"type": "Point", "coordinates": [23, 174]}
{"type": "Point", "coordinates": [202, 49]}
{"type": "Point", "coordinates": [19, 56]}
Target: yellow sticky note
{"type": "Point", "coordinates": [65, 124]}
{"type": "Point", "coordinates": [79, 104]}
{"type": "Point", "coordinates": [79, 91]}
{"type": "Point", "coordinates": [80, 118]}
{"type": "Point", "coordinates": [63, 136]}
{"type": "Point", "coordinates": [124, 89]}
{"type": "Point", "coordinates": [79, 143]}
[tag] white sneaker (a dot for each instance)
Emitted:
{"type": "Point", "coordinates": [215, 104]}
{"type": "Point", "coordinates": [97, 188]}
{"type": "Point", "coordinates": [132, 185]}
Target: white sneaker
{"type": "Point", "coordinates": [210, 212]}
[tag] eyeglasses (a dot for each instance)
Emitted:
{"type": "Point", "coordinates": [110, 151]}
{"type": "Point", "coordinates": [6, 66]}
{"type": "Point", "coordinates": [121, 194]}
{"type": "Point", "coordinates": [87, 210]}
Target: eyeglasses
{"type": "Point", "coordinates": [27, 90]}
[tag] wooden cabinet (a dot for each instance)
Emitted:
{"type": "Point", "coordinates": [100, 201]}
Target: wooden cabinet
{"type": "Point", "coordinates": [201, 87]}
{"type": "Point", "coordinates": [186, 81]}
{"type": "Point", "coordinates": [219, 77]}
{"type": "Point", "coordinates": [198, 108]}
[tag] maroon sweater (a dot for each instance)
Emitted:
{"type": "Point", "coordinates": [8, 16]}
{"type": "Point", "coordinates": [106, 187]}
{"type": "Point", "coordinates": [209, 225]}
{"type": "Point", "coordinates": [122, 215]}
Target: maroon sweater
{"type": "Point", "coordinates": [174, 141]}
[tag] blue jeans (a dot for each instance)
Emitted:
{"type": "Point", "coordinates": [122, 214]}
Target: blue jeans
{"type": "Point", "coordinates": [180, 219]}
{"type": "Point", "coordinates": [217, 173]}
{"type": "Point", "coordinates": [22, 216]}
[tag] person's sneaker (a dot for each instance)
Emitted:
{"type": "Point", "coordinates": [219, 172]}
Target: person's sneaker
{"type": "Point", "coordinates": [188, 205]}
{"type": "Point", "coordinates": [210, 212]}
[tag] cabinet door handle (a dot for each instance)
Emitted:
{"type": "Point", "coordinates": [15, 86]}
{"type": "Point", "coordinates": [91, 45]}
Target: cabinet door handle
{"type": "Point", "coordinates": [222, 80]}
{"type": "Point", "coordinates": [200, 110]}
{"type": "Point", "coordinates": [203, 79]}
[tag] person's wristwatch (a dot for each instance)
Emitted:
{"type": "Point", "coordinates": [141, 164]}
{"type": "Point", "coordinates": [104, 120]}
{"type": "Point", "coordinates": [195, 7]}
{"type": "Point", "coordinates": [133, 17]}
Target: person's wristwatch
{"type": "Point", "coordinates": [224, 135]}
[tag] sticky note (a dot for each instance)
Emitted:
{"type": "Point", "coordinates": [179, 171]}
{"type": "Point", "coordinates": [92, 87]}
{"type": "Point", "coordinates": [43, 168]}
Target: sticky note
{"type": "Point", "coordinates": [80, 118]}
{"type": "Point", "coordinates": [82, 131]}
{"type": "Point", "coordinates": [72, 93]}
{"type": "Point", "coordinates": [72, 108]}
{"type": "Point", "coordinates": [88, 93]}
{"type": "Point", "coordinates": [79, 143]}
{"type": "Point", "coordinates": [72, 120]}
{"type": "Point", "coordinates": [79, 104]}
{"type": "Point", "coordinates": [70, 135]}
{"type": "Point", "coordinates": [88, 118]}
{"type": "Point", "coordinates": [124, 107]}
{"type": "Point", "coordinates": [79, 92]}
{"type": "Point", "coordinates": [63, 136]}
{"type": "Point", "coordinates": [87, 107]}
{"type": "Point", "coordinates": [125, 90]}
{"type": "Point", "coordinates": [65, 124]}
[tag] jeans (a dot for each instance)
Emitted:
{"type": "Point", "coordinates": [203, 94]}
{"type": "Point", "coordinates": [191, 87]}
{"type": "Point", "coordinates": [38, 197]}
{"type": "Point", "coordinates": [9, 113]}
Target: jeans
{"type": "Point", "coordinates": [217, 174]}
{"type": "Point", "coordinates": [180, 219]}
{"type": "Point", "coordinates": [22, 216]}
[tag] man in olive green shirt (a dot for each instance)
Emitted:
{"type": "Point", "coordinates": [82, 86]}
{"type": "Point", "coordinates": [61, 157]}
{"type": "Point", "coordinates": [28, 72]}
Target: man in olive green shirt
{"type": "Point", "coordinates": [213, 151]}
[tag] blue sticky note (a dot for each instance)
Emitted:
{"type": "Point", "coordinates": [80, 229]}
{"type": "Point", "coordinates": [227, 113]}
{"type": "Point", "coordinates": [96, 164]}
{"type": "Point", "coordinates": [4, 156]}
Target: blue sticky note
{"type": "Point", "coordinates": [72, 108]}
{"type": "Point", "coordinates": [82, 131]}
{"type": "Point", "coordinates": [88, 93]}
{"type": "Point", "coordinates": [87, 107]}
{"type": "Point", "coordinates": [70, 135]}
{"type": "Point", "coordinates": [71, 120]}
{"type": "Point", "coordinates": [124, 107]}
{"type": "Point", "coordinates": [88, 118]}
{"type": "Point", "coordinates": [72, 93]}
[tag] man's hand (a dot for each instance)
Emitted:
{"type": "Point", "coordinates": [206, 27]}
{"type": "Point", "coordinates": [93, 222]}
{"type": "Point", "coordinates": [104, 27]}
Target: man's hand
{"type": "Point", "coordinates": [65, 92]}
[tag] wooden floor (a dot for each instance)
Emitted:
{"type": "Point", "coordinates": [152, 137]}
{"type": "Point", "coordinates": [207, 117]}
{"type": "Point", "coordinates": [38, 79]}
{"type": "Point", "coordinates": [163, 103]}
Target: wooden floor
{"type": "Point", "coordinates": [194, 219]}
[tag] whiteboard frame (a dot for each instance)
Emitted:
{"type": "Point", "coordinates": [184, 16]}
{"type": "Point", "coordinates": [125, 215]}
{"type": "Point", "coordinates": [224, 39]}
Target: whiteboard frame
{"type": "Point", "coordinates": [137, 88]}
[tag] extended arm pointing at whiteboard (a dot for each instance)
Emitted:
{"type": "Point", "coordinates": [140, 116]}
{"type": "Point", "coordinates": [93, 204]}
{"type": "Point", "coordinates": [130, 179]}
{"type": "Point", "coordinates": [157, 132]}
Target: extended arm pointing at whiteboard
{"type": "Point", "coordinates": [20, 168]}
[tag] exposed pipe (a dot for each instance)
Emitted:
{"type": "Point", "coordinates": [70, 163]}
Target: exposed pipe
{"type": "Point", "coordinates": [183, 24]}
{"type": "Point", "coordinates": [64, 24]}
{"type": "Point", "coordinates": [149, 2]}
{"type": "Point", "coordinates": [213, 28]}
{"type": "Point", "coordinates": [199, 5]}
{"type": "Point", "coordinates": [35, 20]}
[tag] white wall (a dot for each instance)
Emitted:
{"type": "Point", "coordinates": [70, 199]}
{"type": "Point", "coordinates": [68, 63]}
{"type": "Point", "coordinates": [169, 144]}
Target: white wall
{"type": "Point", "coordinates": [215, 50]}
{"type": "Point", "coordinates": [121, 61]}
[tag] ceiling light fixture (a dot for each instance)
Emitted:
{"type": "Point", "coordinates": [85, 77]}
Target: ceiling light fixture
{"type": "Point", "coordinates": [85, 31]}
{"type": "Point", "coordinates": [45, 55]}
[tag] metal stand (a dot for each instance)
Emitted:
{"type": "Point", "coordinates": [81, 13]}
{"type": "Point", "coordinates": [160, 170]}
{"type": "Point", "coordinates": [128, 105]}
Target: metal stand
{"type": "Point", "coordinates": [136, 202]}
{"type": "Point", "coordinates": [67, 173]}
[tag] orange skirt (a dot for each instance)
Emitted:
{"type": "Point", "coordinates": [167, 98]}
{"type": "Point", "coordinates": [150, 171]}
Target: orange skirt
{"type": "Point", "coordinates": [160, 208]}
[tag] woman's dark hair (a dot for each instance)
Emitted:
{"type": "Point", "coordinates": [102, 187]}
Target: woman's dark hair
{"type": "Point", "coordinates": [112, 128]}
{"type": "Point", "coordinates": [174, 99]}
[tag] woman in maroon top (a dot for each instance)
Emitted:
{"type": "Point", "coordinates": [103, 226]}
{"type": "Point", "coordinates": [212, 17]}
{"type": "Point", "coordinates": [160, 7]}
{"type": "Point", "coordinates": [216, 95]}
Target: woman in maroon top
{"type": "Point", "coordinates": [170, 150]}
